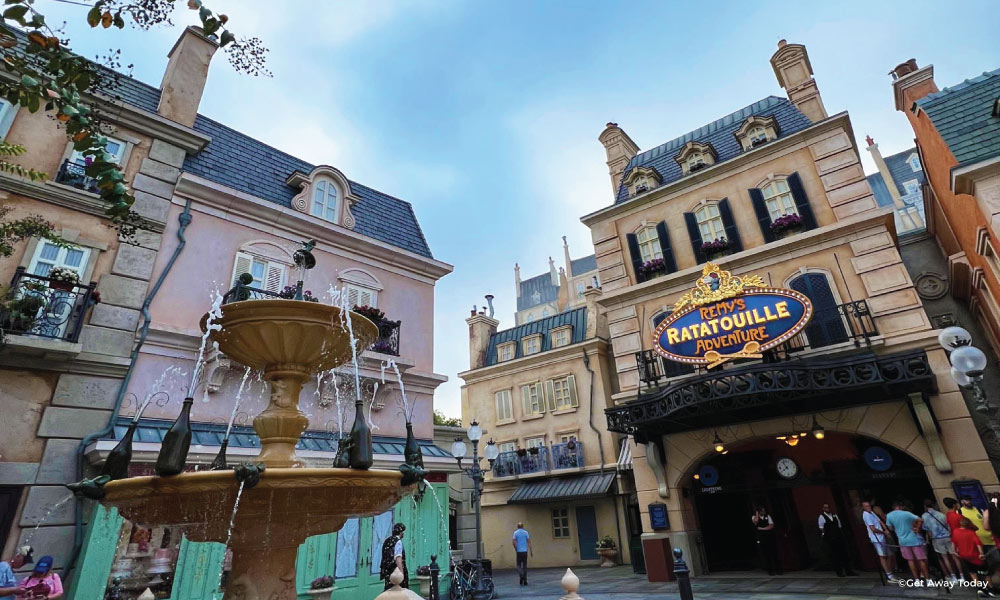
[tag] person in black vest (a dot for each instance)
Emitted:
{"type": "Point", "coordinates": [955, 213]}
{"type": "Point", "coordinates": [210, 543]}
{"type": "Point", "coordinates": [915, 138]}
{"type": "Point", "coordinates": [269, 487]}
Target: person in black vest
{"type": "Point", "coordinates": [394, 556]}
{"type": "Point", "coordinates": [832, 532]}
{"type": "Point", "coordinates": [766, 542]}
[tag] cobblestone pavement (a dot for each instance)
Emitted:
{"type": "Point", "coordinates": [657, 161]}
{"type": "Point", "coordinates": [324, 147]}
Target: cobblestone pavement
{"type": "Point", "coordinates": [619, 583]}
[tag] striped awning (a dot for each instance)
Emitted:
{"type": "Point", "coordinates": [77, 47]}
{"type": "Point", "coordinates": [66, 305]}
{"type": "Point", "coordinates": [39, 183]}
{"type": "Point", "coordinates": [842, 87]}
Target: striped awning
{"type": "Point", "coordinates": [625, 455]}
{"type": "Point", "coordinates": [581, 487]}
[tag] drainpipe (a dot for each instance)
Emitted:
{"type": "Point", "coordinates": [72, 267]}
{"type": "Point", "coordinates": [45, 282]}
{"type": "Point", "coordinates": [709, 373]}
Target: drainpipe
{"type": "Point", "coordinates": [185, 219]}
{"type": "Point", "coordinates": [600, 444]}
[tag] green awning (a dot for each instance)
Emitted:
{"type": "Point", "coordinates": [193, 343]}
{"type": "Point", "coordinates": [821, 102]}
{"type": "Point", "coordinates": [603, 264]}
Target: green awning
{"type": "Point", "coordinates": [580, 487]}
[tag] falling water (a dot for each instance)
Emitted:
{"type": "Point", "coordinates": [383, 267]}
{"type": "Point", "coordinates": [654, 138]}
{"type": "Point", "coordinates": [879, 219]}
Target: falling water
{"type": "Point", "coordinates": [340, 407]}
{"type": "Point", "coordinates": [232, 523]}
{"type": "Point", "coordinates": [45, 517]}
{"type": "Point", "coordinates": [371, 405]}
{"type": "Point", "coordinates": [210, 325]}
{"type": "Point", "coordinates": [402, 391]}
{"type": "Point", "coordinates": [156, 387]}
{"type": "Point", "coordinates": [236, 405]}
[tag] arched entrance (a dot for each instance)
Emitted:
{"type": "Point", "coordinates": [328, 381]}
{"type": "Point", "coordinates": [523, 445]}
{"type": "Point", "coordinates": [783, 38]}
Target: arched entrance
{"type": "Point", "coordinates": [842, 469]}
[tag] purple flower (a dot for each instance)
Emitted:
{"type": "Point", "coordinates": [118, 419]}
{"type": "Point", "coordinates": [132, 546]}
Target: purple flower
{"type": "Point", "coordinates": [88, 160]}
{"type": "Point", "coordinates": [716, 245]}
{"type": "Point", "coordinates": [786, 222]}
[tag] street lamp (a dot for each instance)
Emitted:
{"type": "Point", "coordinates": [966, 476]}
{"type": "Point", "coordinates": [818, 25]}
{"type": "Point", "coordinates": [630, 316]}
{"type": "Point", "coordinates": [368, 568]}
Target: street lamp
{"type": "Point", "coordinates": [476, 474]}
{"type": "Point", "coordinates": [967, 366]}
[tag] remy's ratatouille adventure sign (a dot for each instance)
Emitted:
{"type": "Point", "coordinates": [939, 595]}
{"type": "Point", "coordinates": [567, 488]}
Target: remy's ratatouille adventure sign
{"type": "Point", "coordinates": [730, 316]}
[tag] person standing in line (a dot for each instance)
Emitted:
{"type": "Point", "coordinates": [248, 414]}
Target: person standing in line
{"type": "Point", "coordinates": [936, 525]}
{"type": "Point", "coordinates": [969, 547]}
{"type": "Point", "coordinates": [953, 516]}
{"type": "Point", "coordinates": [877, 536]}
{"type": "Point", "coordinates": [766, 542]}
{"type": "Point", "coordinates": [43, 583]}
{"type": "Point", "coordinates": [394, 557]}
{"type": "Point", "coordinates": [832, 532]}
{"type": "Point", "coordinates": [907, 527]}
{"type": "Point", "coordinates": [972, 513]}
{"type": "Point", "coordinates": [522, 546]}
{"type": "Point", "coordinates": [890, 540]}
{"type": "Point", "coordinates": [9, 587]}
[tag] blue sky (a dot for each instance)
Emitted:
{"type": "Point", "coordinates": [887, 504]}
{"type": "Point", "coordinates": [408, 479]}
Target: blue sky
{"type": "Point", "coordinates": [485, 116]}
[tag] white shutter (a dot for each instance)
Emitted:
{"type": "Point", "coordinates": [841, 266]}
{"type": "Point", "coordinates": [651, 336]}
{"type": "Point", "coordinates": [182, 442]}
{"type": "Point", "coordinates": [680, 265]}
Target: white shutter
{"type": "Point", "coordinates": [550, 396]}
{"type": "Point", "coordinates": [242, 265]}
{"type": "Point", "coordinates": [571, 380]}
{"type": "Point", "coordinates": [361, 296]}
{"type": "Point", "coordinates": [526, 400]}
{"type": "Point", "coordinates": [352, 296]}
{"type": "Point", "coordinates": [274, 277]}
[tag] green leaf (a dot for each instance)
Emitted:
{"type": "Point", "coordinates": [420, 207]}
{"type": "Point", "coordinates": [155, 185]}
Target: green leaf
{"type": "Point", "coordinates": [28, 81]}
{"type": "Point", "coordinates": [94, 16]}
{"type": "Point", "coordinates": [16, 13]}
{"type": "Point", "coordinates": [227, 38]}
{"type": "Point", "coordinates": [119, 21]}
{"type": "Point", "coordinates": [204, 13]}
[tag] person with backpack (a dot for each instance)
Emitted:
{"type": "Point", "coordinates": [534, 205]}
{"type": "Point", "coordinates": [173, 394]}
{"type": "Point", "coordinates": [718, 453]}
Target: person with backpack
{"type": "Point", "coordinates": [939, 533]}
{"type": "Point", "coordinates": [394, 557]}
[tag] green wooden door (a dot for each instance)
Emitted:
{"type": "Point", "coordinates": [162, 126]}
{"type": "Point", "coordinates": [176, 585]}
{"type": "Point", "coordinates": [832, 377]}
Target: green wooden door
{"type": "Point", "coordinates": [198, 571]}
{"type": "Point", "coordinates": [90, 577]}
{"type": "Point", "coordinates": [315, 559]}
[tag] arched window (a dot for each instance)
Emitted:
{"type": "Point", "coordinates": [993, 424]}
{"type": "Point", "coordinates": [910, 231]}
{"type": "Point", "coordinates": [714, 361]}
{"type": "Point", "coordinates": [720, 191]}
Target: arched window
{"type": "Point", "coordinates": [649, 244]}
{"type": "Point", "coordinates": [696, 161]}
{"type": "Point", "coordinates": [324, 200]}
{"type": "Point", "coordinates": [914, 162]}
{"type": "Point", "coordinates": [710, 223]}
{"type": "Point", "coordinates": [827, 325]}
{"type": "Point", "coordinates": [778, 199]}
{"type": "Point", "coordinates": [757, 135]}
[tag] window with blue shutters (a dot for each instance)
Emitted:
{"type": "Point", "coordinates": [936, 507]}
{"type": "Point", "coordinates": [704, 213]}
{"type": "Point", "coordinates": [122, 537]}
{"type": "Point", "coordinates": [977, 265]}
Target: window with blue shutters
{"type": "Point", "coordinates": [827, 325]}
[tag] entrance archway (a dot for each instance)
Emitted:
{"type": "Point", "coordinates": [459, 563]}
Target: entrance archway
{"type": "Point", "coordinates": [842, 469]}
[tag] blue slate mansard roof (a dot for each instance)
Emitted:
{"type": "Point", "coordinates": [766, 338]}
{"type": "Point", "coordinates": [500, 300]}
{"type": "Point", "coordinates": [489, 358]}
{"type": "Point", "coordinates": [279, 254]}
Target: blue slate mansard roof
{"type": "Point", "coordinates": [576, 317]}
{"type": "Point", "coordinates": [720, 134]}
{"type": "Point", "coordinates": [963, 115]}
{"type": "Point", "coordinates": [901, 172]}
{"type": "Point", "coordinates": [543, 283]}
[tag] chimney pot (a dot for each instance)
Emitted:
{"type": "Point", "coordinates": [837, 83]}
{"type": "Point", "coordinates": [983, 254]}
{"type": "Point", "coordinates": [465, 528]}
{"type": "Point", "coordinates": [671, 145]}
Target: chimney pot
{"type": "Point", "coordinates": [185, 76]}
{"type": "Point", "coordinates": [905, 68]}
{"type": "Point", "coordinates": [782, 43]}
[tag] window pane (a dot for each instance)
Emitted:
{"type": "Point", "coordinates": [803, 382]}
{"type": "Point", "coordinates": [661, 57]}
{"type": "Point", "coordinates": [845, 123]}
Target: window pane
{"type": "Point", "coordinates": [42, 269]}
{"type": "Point", "coordinates": [381, 529]}
{"type": "Point", "coordinates": [73, 258]}
{"type": "Point", "coordinates": [49, 251]}
{"type": "Point", "coordinates": [347, 549]}
{"type": "Point", "coordinates": [257, 270]}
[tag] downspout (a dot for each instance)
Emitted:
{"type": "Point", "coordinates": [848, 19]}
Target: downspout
{"type": "Point", "coordinates": [600, 444]}
{"type": "Point", "coordinates": [184, 219]}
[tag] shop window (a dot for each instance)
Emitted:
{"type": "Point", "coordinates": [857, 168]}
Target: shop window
{"type": "Point", "coordinates": [560, 523]}
{"type": "Point", "coordinates": [505, 410]}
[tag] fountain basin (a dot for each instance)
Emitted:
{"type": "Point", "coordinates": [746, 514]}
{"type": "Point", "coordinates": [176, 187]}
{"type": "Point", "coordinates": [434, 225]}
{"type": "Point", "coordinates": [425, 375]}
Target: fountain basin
{"type": "Point", "coordinates": [286, 507]}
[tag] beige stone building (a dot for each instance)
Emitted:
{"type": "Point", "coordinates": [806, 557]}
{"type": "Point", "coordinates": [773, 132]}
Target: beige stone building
{"type": "Point", "coordinates": [776, 190]}
{"type": "Point", "coordinates": [539, 391]}
{"type": "Point", "coordinates": [552, 292]}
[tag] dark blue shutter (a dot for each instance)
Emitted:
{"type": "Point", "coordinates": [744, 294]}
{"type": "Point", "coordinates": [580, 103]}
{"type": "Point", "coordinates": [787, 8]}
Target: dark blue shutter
{"type": "Point", "coordinates": [695, 234]}
{"type": "Point", "coordinates": [827, 324]}
{"type": "Point", "coordinates": [633, 250]}
{"type": "Point", "coordinates": [801, 201]}
{"type": "Point", "coordinates": [763, 215]}
{"type": "Point", "coordinates": [665, 247]}
{"type": "Point", "coordinates": [732, 234]}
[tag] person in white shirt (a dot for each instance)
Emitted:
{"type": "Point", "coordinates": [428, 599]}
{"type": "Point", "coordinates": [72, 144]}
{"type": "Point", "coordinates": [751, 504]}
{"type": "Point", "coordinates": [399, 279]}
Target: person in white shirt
{"type": "Point", "coordinates": [876, 534]}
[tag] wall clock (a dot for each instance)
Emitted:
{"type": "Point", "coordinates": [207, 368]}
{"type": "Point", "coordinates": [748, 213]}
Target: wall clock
{"type": "Point", "coordinates": [787, 468]}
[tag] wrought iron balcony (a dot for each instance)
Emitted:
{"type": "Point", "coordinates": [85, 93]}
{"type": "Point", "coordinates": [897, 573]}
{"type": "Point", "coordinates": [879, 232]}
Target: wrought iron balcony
{"type": "Point", "coordinates": [510, 464]}
{"type": "Point", "coordinates": [848, 322]}
{"type": "Point", "coordinates": [41, 307]}
{"type": "Point", "coordinates": [75, 175]}
{"type": "Point", "coordinates": [388, 337]}
{"type": "Point", "coordinates": [568, 455]}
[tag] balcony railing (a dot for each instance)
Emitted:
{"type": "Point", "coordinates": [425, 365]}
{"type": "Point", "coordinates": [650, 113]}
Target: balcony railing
{"type": "Point", "coordinates": [40, 307]}
{"type": "Point", "coordinates": [848, 322]}
{"type": "Point", "coordinates": [509, 464]}
{"type": "Point", "coordinates": [387, 341]}
{"type": "Point", "coordinates": [568, 455]}
{"type": "Point", "coordinates": [75, 175]}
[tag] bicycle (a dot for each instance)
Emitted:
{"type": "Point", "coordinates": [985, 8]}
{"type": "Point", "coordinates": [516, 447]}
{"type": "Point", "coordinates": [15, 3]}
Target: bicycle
{"type": "Point", "coordinates": [464, 581]}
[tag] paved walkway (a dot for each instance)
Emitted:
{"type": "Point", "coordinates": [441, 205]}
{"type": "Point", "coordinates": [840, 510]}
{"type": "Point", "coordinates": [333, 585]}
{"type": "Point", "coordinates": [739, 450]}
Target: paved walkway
{"type": "Point", "coordinates": [619, 583]}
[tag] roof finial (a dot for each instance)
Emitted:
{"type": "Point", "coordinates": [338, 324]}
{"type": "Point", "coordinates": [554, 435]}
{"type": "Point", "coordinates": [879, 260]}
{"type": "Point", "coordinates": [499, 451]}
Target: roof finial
{"type": "Point", "coordinates": [782, 43]}
{"type": "Point", "coordinates": [870, 141]}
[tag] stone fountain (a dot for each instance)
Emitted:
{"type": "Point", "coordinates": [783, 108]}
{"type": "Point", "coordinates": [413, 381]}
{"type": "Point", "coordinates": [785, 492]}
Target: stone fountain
{"type": "Point", "coordinates": [289, 341]}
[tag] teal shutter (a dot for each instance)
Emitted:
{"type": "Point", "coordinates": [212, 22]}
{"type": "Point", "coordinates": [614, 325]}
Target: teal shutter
{"type": "Point", "coordinates": [199, 569]}
{"type": "Point", "coordinates": [90, 578]}
{"type": "Point", "coordinates": [315, 559]}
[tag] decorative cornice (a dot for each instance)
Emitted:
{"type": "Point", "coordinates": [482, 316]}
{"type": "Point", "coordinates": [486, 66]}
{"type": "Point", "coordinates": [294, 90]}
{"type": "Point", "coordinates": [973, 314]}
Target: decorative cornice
{"type": "Point", "coordinates": [692, 181]}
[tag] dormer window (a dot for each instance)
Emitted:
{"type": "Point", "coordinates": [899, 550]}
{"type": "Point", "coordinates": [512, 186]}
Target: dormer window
{"type": "Point", "coordinates": [641, 185]}
{"type": "Point", "coordinates": [505, 352]}
{"type": "Point", "coordinates": [914, 162]}
{"type": "Point", "coordinates": [695, 156]}
{"type": "Point", "coordinates": [531, 345]}
{"type": "Point", "coordinates": [756, 131]}
{"type": "Point", "coordinates": [324, 200]}
{"type": "Point", "coordinates": [641, 179]}
{"type": "Point", "coordinates": [562, 336]}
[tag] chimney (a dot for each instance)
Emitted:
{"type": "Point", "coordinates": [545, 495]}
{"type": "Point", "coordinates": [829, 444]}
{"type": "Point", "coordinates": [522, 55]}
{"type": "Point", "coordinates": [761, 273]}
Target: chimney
{"type": "Point", "coordinates": [791, 67]}
{"type": "Point", "coordinates": [481, 328]}
{"type": "Point", "coordinates": [185, 77]}
{"type": "Point", "coordinates": [517, 279]}
{"type": "Point", "coordinates": [620, 150]}
{"type": "Point", "coordinates": [883, 169]}
{"type": "Point", "coordinates": [911, 83]}
{"type": "Point", "coordinates": [569, 262]}
{"type": "Point", "coordinates": [597, 322]}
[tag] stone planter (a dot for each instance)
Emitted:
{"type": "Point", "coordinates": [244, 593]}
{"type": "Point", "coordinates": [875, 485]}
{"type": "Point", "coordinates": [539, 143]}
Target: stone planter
{"type": "Point", "coordinates": [425, 585]}
{"type": "Point", "coordinates": [607, 556]}
{"type": "Point", "coordinates": [322, 593]}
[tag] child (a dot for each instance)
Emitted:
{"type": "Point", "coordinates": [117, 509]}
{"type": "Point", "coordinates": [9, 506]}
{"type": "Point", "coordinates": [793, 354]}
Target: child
{"type": "Point", "coordinates": [969, 547]}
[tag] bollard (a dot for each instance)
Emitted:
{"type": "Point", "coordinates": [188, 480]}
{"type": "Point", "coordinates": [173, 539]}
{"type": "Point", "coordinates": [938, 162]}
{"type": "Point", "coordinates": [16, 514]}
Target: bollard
{"type": "Point", "coordinates": [683, 576]}
{"type": "Point", "coordinates": [435, 571]}
{"type": "Point", "coordinates": [571, 584]}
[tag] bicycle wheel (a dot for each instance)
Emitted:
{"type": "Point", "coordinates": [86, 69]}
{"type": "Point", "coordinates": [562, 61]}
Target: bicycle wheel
{"type": "Point", "coordinates": [488, 589]}
{"type": "Point", "coordinates": [455, 590]}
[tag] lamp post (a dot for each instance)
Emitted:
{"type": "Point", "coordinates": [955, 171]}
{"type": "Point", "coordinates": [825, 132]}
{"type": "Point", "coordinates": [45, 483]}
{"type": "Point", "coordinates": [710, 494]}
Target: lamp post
{"type": "Point", "coordinates": [968, 364]}
{"type": "Point", "coordinates": [476, 474]}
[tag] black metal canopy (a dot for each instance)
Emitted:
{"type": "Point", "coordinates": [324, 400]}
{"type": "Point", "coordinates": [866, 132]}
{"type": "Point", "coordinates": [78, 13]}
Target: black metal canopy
{"type": "Point", "coordinates": [767, 390]}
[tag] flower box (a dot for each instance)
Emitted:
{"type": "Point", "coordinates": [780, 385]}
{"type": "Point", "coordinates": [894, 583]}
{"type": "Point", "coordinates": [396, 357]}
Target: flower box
{"type": "Point", "coordinates": [786, 225]}
{"type": "Point", "coordinates": [63, 279]}
{"type": "Point", "coordinates": [716, 247]}
{"type": "Point", "coordinates": [652, 268]}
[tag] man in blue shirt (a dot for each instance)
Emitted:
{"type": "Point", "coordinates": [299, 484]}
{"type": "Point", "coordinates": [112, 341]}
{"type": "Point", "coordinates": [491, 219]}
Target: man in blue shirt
{"type": "Point", "coordinates": [522, 546]}
{"type": "Point", "coordinates": [909, 528]}
{"type": "Point", "coordinates": [9, 588]}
